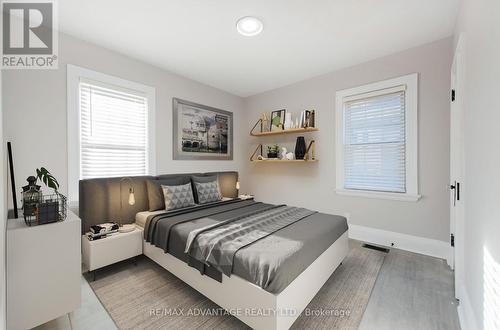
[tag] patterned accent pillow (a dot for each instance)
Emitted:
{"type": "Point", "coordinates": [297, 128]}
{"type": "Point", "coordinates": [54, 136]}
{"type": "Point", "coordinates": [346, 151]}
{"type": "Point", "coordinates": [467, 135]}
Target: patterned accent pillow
{"type": "Point", "coordinates": [208, 192]}
{"type": "Point", "coordinates": [177, 197]}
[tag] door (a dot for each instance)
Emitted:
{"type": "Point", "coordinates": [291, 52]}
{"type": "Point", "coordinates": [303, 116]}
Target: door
{"type": "Point", "coordinates": [457, 180]}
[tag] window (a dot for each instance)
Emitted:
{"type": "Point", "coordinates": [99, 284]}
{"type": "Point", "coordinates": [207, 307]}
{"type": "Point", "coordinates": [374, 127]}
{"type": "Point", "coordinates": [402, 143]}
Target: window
{"type": "Point", "coordinates": [113, 132]}
{"type": "Point", "coordinates": [377, 140]}
{"type": "Point", "coordinates": [110, 127]}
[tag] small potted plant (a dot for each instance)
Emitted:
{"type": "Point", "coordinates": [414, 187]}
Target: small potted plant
{"type": "Point", "coordinates": [272, 151]}
{"type": "Point", "coordinates": [49, 208]}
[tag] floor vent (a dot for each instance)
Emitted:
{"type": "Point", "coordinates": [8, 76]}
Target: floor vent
{"type": "Point", "coordinates": [378, 248]}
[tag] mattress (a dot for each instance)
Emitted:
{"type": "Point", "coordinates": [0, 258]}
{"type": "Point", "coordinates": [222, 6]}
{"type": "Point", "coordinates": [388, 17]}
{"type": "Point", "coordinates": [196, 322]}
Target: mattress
{"type": "Point", "coordinates": [272, 262]}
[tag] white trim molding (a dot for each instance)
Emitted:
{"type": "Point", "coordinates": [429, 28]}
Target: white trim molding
{"type": "Point", "coordinates": [466, 314]}
{"type": "Point", "coordinates": [410, 84]}
{"type": "Point", "coordinates": [422, 245]}
{"type": "Point", "coordinates": [74, 75]}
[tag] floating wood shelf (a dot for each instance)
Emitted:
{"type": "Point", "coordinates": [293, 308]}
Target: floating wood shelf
{"type": "Point", "coordinates": [308, 157]}
{"type": "Point", "coordinates": [285, 131]}
{"type": "Point", "coordinates": [295, 161]}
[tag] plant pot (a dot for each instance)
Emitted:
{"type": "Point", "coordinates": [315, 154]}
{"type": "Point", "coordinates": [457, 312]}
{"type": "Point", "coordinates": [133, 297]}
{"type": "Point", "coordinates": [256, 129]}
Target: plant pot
{"type": "Point", "coordinates": [272, 155]}
{"type": "Point", "coordinates": [300, 148]}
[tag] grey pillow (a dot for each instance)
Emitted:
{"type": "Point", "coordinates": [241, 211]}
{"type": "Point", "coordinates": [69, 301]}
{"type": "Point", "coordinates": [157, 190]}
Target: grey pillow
{"type": "Point", "coordinates": [155, 192]}
{"type": "Point", "coordinates": [177, 197]}
{"type": "Point", "coordinates": [208, 192]}
{"type": "Point", "coordinates": [201, 179]}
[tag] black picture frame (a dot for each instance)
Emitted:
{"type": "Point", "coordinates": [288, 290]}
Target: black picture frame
{"type": "Point", "coordinates": [277, 114]}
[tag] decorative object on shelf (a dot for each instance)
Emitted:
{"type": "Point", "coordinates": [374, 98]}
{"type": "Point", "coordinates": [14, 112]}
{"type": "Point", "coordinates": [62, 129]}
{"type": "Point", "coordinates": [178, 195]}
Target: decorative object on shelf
{"type": "Point", "coordinates": [283, 153]}
{"type": "Point", "coordinates": [131, 201]}
{"type": "Point", "coordinates": [278, 120]}
{"type": "Point", "coordinates": [272, 151]}
{"type": "Point", "coordinates": [201, 132]}
{"type": "Point", "coordinates": [312, 119]}
{"type": "Point", "coordinates": [32, 196]}
{"type": "Point", "coordinates": [300, 148]}
{"type": "Point", "coordinates": [39, 209]}
{"type": "Point", "coordinates": [288, 120]}
{"type": "Point", "coordinates": [257, 156]}
{"type": "Point", "coordinates": [12, 179]}
{"type": "Point", "coordinates": [264, 122]}
{"type": "Point", "coordinates": [312, 148]}
{"type": "Point", "coordinates": [307, 119]}
{"type": "Point", "coordinates": [289, 156]}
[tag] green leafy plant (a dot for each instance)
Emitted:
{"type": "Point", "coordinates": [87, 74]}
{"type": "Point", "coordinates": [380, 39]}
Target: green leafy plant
{"type": "Point", "coordinates": [48, 179]}
{"type": "Point", "coordinates": [273, 149]}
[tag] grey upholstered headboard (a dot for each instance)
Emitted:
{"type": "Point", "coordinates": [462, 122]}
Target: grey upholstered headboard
{"type": "Point", "coordinates": [99, 199]}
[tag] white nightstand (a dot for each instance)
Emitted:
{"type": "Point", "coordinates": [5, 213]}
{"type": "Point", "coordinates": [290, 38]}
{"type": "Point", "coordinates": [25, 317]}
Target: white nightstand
{"type": "Point", "coordinates": [44, 271]}
{"type": "Point", "coordinates": [109, 250]}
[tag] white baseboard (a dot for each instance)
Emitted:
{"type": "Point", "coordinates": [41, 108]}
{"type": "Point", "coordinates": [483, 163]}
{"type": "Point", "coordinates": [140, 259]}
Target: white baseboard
{"type": "Point", "coordinates": [422, 245]}
{"type": "Point", "coordinates": [465, 312]}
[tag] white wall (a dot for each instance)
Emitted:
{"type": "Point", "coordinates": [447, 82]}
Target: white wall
{"type": "Point", "coordinates": [3, 214]}
{"type": "Point", "coordinates": [35, 110]}
{"type": "Point", "coordinates": [479, 25]}
{"type": "Point", "coordinates": [312, 185]}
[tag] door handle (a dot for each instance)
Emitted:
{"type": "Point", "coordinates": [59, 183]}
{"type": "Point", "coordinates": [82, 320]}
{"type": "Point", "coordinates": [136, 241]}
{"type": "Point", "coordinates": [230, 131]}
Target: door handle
{"type": "Point", "coordinates": [454, 188]}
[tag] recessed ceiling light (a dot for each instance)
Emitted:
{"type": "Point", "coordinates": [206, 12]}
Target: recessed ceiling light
{"type": "Point", "coordinates": [249, 26]}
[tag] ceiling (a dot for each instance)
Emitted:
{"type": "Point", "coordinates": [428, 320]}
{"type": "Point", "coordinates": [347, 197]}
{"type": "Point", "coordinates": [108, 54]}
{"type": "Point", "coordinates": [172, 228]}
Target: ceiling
{"type": "Point", "coordinates": [301, 38]}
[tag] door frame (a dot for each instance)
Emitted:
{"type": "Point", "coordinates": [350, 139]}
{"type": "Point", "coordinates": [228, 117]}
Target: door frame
{"type": "Point", "coordinates": [457, 166]}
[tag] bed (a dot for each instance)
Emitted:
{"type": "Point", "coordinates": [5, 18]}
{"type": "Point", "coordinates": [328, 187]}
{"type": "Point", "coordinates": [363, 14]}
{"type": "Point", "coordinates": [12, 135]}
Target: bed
{"type": "Point", "coordinates": [266, 281]}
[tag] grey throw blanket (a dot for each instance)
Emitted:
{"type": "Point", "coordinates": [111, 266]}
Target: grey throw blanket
{"type": "Point", "coordinates": [216, 245]}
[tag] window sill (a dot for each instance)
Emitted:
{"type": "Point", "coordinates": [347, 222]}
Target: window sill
{"type": "Point", "coordinates": [379, 195]}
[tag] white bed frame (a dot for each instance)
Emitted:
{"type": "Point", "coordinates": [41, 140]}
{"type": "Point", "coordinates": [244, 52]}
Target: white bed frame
{"type": "Point", "coordinates": [248, 302]}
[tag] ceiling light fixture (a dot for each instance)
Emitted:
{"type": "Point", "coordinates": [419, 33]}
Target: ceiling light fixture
{"type": "Point", "coordinates": [249, 26]}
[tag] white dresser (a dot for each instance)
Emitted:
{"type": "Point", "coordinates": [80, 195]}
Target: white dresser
{"type": "Point", "coordinates": [43, 271]}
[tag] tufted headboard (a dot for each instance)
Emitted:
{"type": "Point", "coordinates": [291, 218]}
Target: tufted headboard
{"type": "Point", "coordinates": [99, 199]}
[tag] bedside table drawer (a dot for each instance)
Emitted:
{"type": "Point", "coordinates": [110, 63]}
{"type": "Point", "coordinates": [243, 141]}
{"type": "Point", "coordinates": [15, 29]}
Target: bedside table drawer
{"type": "Point", "coordinates": [109, 250]}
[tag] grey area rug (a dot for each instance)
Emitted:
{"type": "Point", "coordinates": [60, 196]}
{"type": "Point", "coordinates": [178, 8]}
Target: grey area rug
{"type": "Point", "coordinates": [147, 296]}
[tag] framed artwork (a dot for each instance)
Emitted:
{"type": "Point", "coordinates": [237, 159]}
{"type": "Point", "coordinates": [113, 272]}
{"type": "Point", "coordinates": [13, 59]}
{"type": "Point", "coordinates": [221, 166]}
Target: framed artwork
{"type": "Point", "coordinates": [278, 120]}
{"type": "Point", "coordinates": [201, 132]}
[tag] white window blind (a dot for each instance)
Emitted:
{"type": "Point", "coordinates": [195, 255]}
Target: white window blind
{"type": "Point", "coordinates": [375, 141]}
{"type": "Point", "coordinates": [113, 131]}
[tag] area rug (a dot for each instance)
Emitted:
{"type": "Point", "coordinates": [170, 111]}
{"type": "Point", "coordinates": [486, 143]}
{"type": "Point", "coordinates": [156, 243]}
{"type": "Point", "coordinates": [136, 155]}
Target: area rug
{"type": "Point", "coordinates": [146, 296]}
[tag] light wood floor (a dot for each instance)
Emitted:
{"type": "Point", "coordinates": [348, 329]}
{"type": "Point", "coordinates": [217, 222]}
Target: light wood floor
{"type": "Point", "coordinates": [412, 291]}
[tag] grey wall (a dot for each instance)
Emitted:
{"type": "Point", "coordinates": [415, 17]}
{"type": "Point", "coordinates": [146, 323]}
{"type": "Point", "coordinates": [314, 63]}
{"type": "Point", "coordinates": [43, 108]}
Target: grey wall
{"type": "Point", "coordinates": [479, 25]}
{"type": "Point", "coordinates": [312, 185]}
{"type": "Point", "coordinates": [35, 110]}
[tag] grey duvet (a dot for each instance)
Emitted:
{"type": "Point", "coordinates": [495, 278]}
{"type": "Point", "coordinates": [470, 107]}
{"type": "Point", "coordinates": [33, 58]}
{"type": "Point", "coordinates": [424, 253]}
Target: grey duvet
{"type": "Point", "coordinates": [271, 251]}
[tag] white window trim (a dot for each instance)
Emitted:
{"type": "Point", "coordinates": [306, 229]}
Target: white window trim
{"type": "Point", "coordinates": [74, 75]}
{"type": "Point", "coordinates": [411, 101]}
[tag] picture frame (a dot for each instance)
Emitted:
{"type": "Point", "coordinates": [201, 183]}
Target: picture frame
{"type": "Point", "coordinates": [277, 120]}
{"type": "Point", "coordinates": [201, 132]}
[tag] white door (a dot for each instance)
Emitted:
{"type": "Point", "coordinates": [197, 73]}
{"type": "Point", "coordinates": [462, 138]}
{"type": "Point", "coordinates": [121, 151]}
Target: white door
{"type": "Point", "coordinates": [457, 181]}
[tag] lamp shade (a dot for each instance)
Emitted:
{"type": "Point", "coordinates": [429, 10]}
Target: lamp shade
{"type": "Point", "coordinates": [237, 185]}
